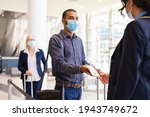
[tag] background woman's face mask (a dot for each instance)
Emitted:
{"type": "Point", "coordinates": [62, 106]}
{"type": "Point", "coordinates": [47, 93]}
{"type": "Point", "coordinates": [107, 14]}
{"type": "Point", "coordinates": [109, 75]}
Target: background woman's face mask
{"type": "Point", "coordinates": [31, 43]}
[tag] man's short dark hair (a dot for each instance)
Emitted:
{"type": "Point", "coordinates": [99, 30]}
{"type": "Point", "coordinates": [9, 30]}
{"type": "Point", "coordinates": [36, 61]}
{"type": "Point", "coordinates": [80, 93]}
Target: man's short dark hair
{"type": "Point", "coordinates": [65, 12]}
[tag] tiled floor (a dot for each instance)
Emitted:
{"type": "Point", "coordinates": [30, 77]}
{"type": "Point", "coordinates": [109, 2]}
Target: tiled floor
{"type": "Point", "coordinates": [89, 91]}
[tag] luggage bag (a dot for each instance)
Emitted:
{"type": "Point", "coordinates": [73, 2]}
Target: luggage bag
{"type": "Point", "coordinates": [48, 95]}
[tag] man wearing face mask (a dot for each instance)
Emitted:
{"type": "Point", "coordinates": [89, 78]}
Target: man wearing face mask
{"type": "Point", "coordinates": [68, 58]}
{"type": "Point", "coordinates": [30, 66]}
{"type": "Point", "coordinates": [129, 77]}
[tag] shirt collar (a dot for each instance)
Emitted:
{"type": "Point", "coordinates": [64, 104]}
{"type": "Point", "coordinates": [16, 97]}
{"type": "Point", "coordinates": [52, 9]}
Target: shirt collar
{"type": "Point", "coordinates": [66, 35]}
{"type": "Point", "coordinates": [27, 51]}
{"type": "Point", "coordinates": [140, 15]}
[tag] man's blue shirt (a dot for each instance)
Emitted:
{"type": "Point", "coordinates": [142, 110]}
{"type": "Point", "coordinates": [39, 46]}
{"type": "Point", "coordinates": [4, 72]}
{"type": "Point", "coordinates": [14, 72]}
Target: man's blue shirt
{"type": "Point", "coordinates": [67, 57]}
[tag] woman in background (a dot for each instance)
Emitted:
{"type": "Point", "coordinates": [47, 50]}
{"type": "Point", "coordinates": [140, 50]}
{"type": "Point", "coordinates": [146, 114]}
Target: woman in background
{"type": "Point", "coordinates": [30, 66]}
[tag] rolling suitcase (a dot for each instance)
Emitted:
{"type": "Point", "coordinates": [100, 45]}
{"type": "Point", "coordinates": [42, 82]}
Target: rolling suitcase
{"type": "Point", "coordinates": [24, 87]}
{"type": "Point", "coordinates": [105, 90]}
{"type": "Point", "coordinates": [48, 95]}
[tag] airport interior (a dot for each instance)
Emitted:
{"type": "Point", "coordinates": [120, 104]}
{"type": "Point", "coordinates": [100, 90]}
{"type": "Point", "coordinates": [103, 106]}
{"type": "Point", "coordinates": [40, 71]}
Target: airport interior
{"type": "Point", "coordinates": [101, 27]}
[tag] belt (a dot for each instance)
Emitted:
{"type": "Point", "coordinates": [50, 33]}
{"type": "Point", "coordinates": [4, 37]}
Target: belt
{"type": "Point", "coordinates": [68, 85]}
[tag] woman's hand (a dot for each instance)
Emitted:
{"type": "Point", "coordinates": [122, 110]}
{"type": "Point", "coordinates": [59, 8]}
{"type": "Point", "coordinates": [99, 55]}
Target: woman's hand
{"type": "Point", "coordinates": [28, 73]}
{"type": "Point", "coordinates": [104, 77]}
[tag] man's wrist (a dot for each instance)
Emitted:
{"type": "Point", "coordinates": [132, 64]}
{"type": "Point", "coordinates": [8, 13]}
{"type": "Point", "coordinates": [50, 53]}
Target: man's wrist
{"type": "Point", "coordinates": [81, 69]}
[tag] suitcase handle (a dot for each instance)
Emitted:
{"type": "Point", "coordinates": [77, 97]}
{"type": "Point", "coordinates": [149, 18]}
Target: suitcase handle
{"type": "Point", "coordinates": [31, 85]}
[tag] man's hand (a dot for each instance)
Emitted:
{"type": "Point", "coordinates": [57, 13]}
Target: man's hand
{"type": "Point", "coordinates": [85, 69]}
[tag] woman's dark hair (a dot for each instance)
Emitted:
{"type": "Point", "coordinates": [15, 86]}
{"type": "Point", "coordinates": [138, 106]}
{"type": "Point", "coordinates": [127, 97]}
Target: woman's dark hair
{"type": "Point", "coordinates": [144, 4]}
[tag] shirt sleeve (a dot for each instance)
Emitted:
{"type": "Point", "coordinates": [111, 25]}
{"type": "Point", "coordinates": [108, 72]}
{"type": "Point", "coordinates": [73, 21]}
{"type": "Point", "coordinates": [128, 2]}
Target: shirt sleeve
{"type": "Point", "coordinates": [20, 63]}
{"type": "Point", "coordinates": [83, 57]}
{"type": "Point", "coordinates": [43, 60]}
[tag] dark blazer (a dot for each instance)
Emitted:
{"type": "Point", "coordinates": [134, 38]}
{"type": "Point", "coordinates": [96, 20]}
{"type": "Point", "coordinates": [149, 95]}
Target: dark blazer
{"type": "Point", "coordinates": [23, 64]}
{"type": "Point", "coordinates": [130, 63]}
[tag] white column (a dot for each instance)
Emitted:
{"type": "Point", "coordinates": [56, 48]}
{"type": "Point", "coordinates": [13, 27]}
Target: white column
{"type": "Point", "coordinates": [37, 18]}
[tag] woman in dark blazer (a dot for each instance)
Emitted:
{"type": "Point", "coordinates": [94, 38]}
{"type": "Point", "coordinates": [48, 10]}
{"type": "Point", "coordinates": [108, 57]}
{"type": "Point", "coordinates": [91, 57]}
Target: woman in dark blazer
{"type": "Point", "coordinates": [30, 66]}
{"type": "Point", "coordinates": [129, 77]}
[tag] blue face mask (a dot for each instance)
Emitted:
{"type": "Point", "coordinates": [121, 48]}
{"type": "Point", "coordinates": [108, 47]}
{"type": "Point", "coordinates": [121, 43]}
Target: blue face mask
{"type": "Point", "coordinates": [31, 43]}
{"type": "Point", "coordinates": [72, 25]}
{"type": "Point", "coordinates": [130, 15]}
{"type": "Point", "coordinates": [129, 12]}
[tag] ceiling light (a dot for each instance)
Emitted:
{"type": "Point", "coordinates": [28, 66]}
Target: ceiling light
{"type": "Point", "coordinates": [70, 0]}
{"type": "Point", "coordinates": [99, 0]}
{"type": "Point", "coordinates": [81, 7]}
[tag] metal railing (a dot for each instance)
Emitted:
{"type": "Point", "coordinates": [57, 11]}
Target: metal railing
{"type": "Point", "coordinates": [9, 81]}
{"type": "Point", "coordinates": [27, 96]}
